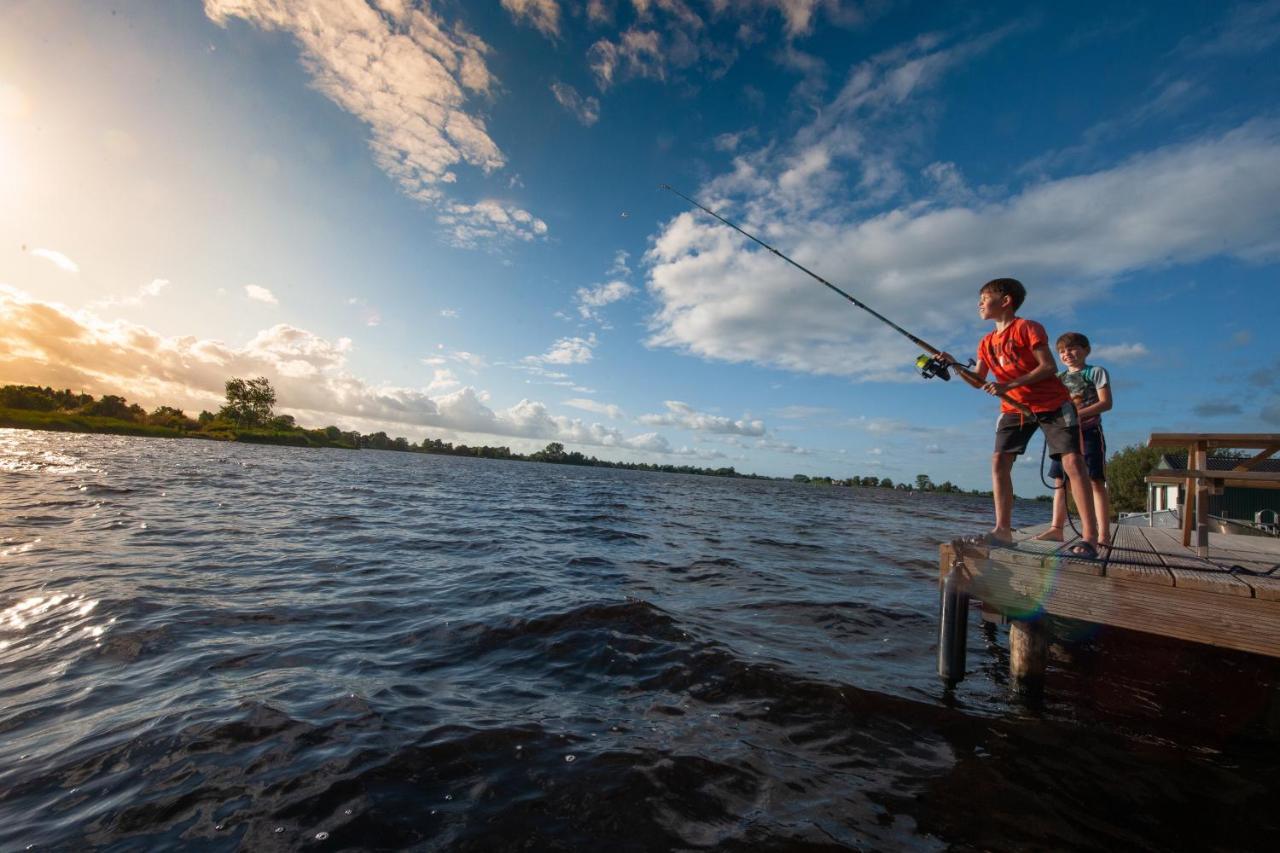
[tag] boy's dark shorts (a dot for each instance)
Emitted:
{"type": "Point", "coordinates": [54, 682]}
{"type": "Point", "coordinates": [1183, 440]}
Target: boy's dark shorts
{"type": "Point", "coordinates": [1061, 431]}
{"type": "Point", "coordinates": [1095, 455]}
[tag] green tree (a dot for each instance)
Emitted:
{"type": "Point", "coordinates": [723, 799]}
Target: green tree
{"type": "Point", "coordinates": [923, 483]}
{"type": "Point", "coordinates": [886, 483]}
{"type": "Point", "coordinates": [1126, 477]}
{"type": "Point", "coordinates": [249, 402]}
{"type": "Point", "coordinates": [26, 397]}
{"type": "Point", "coordinates": [110, 406]}
{"type": "Point", "coordinates": [168, 416]}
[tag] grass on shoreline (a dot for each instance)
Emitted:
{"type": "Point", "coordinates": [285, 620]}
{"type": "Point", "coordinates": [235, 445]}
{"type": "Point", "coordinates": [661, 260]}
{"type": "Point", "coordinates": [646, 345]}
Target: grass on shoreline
{"type": "Point", "coordinates": [69, 422]}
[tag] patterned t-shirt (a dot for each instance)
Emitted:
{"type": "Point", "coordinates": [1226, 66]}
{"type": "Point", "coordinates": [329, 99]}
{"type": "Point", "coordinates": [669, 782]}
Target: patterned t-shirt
{"type": "Point", "coordinates": [1083, 385]}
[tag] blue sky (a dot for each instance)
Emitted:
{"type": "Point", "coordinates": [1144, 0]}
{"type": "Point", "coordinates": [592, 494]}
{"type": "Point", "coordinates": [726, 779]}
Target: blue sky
{"type": "Point", "coordinates": [442, 219]}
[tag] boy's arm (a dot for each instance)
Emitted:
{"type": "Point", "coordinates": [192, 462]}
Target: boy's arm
{"type": "Point", "coordinates": [1103, 404]}
{"type": "Point", "coordinates": [1045, 367]}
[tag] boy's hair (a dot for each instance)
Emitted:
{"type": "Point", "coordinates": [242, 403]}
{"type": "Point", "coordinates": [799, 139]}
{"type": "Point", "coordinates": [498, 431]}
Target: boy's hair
{"type": "Point", "coordinates": [1009, 287]}
{"type": "Point", "coordinates": [1072, 339]}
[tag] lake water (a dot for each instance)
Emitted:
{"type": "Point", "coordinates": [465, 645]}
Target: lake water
{"type": "Point", "coordinates": [219, 646]}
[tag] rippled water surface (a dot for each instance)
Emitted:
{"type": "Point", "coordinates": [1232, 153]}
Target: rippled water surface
{"type": "Point", "coordinates": [218, 646]}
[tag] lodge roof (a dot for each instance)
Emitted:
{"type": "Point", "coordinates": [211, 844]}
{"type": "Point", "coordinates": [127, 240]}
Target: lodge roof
{"type": "Point", "coordinates": [1178, 462]}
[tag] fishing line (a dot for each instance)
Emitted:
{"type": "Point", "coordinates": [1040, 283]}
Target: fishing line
{"type": "Point", "coordinates": [930, 366]}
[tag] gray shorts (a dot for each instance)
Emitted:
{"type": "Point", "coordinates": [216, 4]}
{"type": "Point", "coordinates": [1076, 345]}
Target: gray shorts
{"type": "Point", "coordinates": [1061, 430]}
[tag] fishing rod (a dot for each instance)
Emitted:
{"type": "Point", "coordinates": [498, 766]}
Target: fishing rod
{"type": "Point", "coordinates": [931, 365]}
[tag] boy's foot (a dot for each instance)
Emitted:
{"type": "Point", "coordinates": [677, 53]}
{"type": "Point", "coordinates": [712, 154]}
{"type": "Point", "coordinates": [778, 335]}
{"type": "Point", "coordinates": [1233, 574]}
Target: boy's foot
{"type": "Point", "coordinates": [998, 537]}
{"type": "Point", "coordinates": [1082, 550]}
{"type": "Point", "coordinates": [1053, 534]}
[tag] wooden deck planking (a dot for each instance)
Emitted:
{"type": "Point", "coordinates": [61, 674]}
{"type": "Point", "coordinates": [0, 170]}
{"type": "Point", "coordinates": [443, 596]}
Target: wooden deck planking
{"type": "Point", "coordinates": [1196, 615]}
{"type": "Point", "coordinates": [1131, 557]}
{"type": "Point", "coordinates": [1189, 569]}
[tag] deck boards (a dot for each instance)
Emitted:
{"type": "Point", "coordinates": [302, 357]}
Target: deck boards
{"type": "Point", "coordinates": [1132, 557]}
{"type": "Point", "coordinates": [1148, 581]}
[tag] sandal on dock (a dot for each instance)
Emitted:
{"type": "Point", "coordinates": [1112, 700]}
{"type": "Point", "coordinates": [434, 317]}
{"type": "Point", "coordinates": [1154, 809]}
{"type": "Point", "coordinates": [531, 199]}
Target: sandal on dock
{"type": "Point", "coordinates": [1081, 551]}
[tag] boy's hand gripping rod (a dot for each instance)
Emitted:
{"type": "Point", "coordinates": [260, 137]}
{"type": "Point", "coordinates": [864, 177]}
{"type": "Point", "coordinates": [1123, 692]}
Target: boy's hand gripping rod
{"type": "Point", "coordinates": [965, 373]}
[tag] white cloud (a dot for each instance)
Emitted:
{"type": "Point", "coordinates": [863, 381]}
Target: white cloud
{"type": "Point", "coordinates": [619, 267]}
{"type": "Point", "coordinates": [637, 53]}
{"type": "Point", "coordinates": [442, 380]}
{"type": "Point", "coordinates": [260, 294]}
{"type": "Point", "coordinates": [48, 344]}
{"type": "Point", "coordinates": [542, 15]}
{"type": "Point", "coordinates": [683, 415]}
{"type": "Point", "coordinates": [921, 263]}
{"type": "Point", "coordinates": [146, 291]}
{"type": "Point", "coordinates": [410, 77]}
{"type": "Point", "coordinates": [468, 224]}
{"type": "Point", "coordinates": [451, 313]}
{"type": "Point", "coordinates": [1119, 352]}
{"type": "Point", "coordinates": [590, 299]}
{"type": "Point", "coordinates": [573, 350]}
{"type": "Point", "coordinates": [607, 409]}
{"type": "Point", "coordinates": [470, 359]}
{"type": "Point", "coordinates": [585, 110]}
{"type": "Point", "coordinates": [58, 259]}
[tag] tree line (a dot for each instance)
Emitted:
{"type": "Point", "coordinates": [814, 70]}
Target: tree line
{"type": "Point", "coordinates": [248, 415]}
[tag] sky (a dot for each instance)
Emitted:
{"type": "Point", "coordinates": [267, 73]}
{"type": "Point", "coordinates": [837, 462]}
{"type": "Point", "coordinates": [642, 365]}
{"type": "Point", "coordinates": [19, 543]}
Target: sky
{"type": "Point", "coordinates": [443, 219]}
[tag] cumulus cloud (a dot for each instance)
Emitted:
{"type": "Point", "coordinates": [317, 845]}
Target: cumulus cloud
{"type": "Point", "coordinates": [572, 350]}
{"type": "Point", "coordinates": [542, 15]}
{"type": "Point", "coordinates": [411, 77]}
{"type": "Point", "coordinates": [591, 299]}
{"type": "Point", "coordinates": [469, 224]}
{"type": "Point", "coordinates": [668, 38]}
{"type": "Point", "coordinates": [683, 415]}
{"type": "Point", "coordinates": [260, 294]}
{"type": "Point", "coordinates": [607, 409]}
{"type": "Point", "coordinates": [49, 344]}
{"type": "Point", "coordinates": [585, 110]}
{"type": "Point", "coordinates": [58, 259]}
{"type": "Point", "coordinates": [920, 263]}
{"type": "Point", "coordinates": [1119, 352]}
{"type": "Point", "coordinates": [147, 291]}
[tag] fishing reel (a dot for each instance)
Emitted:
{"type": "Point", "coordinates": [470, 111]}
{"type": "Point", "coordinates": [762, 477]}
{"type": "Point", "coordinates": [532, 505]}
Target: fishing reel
{"type": "Point", "coordinates": [933, 365]}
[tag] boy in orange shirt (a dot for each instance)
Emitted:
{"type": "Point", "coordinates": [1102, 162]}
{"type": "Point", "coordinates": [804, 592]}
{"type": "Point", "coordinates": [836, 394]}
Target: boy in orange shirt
{"type": "Point", "coordinates": [1016, 354]}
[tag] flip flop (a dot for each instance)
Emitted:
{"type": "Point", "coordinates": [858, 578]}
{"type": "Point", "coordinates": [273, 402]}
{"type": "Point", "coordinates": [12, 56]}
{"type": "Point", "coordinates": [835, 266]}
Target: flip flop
{"type": "Point", "coordinates": [1081, 551]}
{"type": "Point", "coordinates": [992, 540]}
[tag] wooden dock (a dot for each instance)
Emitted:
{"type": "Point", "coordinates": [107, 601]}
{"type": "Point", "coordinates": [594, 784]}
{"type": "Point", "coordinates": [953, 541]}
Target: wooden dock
{"type": "Point", "coordinates": [1148, 581]}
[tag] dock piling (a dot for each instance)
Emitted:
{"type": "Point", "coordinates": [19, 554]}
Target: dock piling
{"type": "Point", "coordinates": [953, 626]}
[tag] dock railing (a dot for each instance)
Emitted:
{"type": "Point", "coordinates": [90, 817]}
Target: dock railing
{"type": "Point", "coordinates": [1200, 482]}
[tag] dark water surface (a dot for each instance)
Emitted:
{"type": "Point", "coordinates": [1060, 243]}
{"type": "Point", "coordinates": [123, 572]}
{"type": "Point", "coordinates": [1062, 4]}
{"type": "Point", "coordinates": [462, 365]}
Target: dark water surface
{"type": "Point", "coordinates": [215, 646]}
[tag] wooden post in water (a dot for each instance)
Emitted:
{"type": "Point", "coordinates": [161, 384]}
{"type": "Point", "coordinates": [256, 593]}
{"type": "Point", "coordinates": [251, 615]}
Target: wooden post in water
{"type": "Point", "coordinates": [953, 623]}
{"type": "Point", "coordinates": [1028, 650]}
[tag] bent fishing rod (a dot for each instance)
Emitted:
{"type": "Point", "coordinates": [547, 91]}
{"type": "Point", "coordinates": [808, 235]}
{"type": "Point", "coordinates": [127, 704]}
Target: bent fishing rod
{"type": "Point", "coordinates": [930, 365]}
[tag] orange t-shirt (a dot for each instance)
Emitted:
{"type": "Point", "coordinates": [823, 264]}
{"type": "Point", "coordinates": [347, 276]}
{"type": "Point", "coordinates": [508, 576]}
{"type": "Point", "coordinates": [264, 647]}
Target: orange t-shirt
{"type": "Point", "coordinates": [1009, 354]}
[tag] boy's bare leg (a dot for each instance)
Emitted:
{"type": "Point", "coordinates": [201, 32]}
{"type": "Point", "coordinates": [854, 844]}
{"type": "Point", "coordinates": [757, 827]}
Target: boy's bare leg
{"type": "Point", "coordinates": [1082, 491]}
{"type": "Point", "coordinates": [1054, 533]}
{"type": "Point", "coordinates": [1002, 494]}
{"type": "Point", "coordinates": [1102, 507]}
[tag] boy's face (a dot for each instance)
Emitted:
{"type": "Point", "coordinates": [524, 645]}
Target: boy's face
{"type": "Point", "coordinates": [991, 304]}
{"type": "Point", "coordinates": [1073, 355]}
